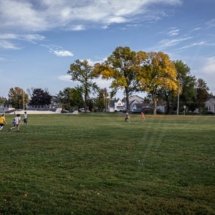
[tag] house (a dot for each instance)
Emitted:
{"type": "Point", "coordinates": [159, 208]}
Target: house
{"type": "Point", "coordinates": [5, 109]}
{"type": "Point", "coordinates": [136, 103]}
{"type": "Point", "coordinates": [210, 104]}
{"type": "Point", "coordinates": [2, 110]}
{"type": "Point", "coordinates": [116, 105]}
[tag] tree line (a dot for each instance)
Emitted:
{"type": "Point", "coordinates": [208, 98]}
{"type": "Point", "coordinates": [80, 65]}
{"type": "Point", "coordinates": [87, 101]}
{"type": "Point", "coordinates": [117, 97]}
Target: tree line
{"type": "Point", "coordinates": [153, 73]}
{"type": "Point", "coordinates": [20, 99]}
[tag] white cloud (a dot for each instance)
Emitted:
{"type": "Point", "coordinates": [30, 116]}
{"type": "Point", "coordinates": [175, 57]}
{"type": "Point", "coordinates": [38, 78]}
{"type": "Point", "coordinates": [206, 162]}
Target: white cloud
{"type": "Point", "coordinates": [66, 78]}
{"type": "Point", "coordinates": [173, 32]}
{"type": "Point", "coordinates": [197, 29]}
{"type": "Point", "coordinates": [26, 37]}
{"type": "Point", "coordinates": [201, 43]}
{"type": "Point", "coordinates": [57, 50]}
{"type": "Point", "coordinates": [8, 36]}
{"type": "Point", "coordinates": [76, 27]}
{"type": "Point", "coordinates": [8, 45]}
{"type": "Point", "coordinates": [33, 37]}
{"type": "Point", "coordinates": [7, 39]}
{"type": "Point", "coordinates": [21, 15]}
{"type": "Point", "coordinates": [42, 15]}
{"type": "Point", "coordinates": [209, 66]}
{"type": "Point", "coordinates": [116, 19]}
{"type": "Point", "coordinates": [206, 70]}
{"type": "Point", "coordinates": [62, 53]}
{"type": "Point", "coordinates": [172, 42]}
{"type": "Point", "coordinates": [92, 62]}
{"type": "Point", "coordinates": [103, 83]}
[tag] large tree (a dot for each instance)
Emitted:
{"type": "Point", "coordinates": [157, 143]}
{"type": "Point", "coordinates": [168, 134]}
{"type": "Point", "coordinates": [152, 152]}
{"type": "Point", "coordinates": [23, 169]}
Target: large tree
{"type": "Point", "coordinates": [121, 66]}
{"type": "Point", "coordinates": [102, 100]}
{"type": "Point", "coordinates": [3, 101]}
{"type": "Point", "coordinates": [158, 73]}
{"type": "Point", "coordinates": [82, 72]}
{"type": "Point", "coordinates": [40, 97]}
{"type": "Point", "coordinates": [186, 94]}
{"type": "Point", "coordinates": [176, 100]}
{"type": "Point", "coordinates": [202, 94]}
{"type": "Point", "coordinates": [71, 98]}
{"type": "Point", "coordinates": [18, 98]}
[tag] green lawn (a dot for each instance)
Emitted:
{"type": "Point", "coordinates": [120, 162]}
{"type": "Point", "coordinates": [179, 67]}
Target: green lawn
{"type": "Point", "coordinates": [98, 164]}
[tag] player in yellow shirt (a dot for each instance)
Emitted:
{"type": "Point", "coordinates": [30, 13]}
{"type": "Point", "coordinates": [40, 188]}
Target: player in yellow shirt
{"type": "Point", "coordinates": [2, 121]}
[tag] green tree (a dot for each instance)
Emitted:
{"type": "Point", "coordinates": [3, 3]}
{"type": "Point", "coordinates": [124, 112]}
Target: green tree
{"type": "Point", "coordinates": [82, 72]}
{"type": "Point", "coordinates": [40, 97]}
{"type": "Point", "coordinates": [186, 94]}
{"type": "Point", "coordinates": [71, 98]}
{"type": "Point", "coordinates": [3, 101]}
{"type": "Point", "coordinates": [121, 66]}
{"type": "Point", "coordinates": [158, 73]}
{"type": "Point", "coordinates": [102, 100]}
{"type": "Point", "coordinates": [172, 98]}
{"type": "Point", "coordinates": [202, 94]}
{"type": "Point", "coordinates": [18, 98]}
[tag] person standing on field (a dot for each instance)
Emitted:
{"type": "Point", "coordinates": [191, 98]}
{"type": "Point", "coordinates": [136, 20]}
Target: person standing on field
{"type": "Point", "coordinates": [17, 122]}
{"type": "Point", "coordinates": [126, 117]}
{"type": "Point", "coordinates": [2, 121]}
{"type": "Point", "coordinates": [142, 115]}
{"type": "Point", "coordinates": [25, 120]}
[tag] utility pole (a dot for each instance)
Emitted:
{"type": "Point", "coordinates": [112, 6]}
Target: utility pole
{"type": "Point", "coordinates": [178, 101]}
{"type": "Point", "coordinates": [23, 100]}
{"type": "Point", "coordinates": [178, 96]}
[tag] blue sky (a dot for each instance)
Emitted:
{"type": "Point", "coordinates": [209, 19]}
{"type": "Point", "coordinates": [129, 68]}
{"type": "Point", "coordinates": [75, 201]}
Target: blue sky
{"type": "Point", "coordinates": [40, 39]}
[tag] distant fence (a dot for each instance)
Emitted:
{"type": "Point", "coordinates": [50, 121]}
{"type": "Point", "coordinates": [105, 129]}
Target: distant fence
{"type": "Point", "coordinates": [42, 107]}
{"type": "Point", "coordinates": [4, 109]}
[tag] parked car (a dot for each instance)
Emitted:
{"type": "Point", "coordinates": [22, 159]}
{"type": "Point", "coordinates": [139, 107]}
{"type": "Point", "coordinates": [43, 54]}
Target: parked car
{"type": "Point", "coordinates": [83, 110]}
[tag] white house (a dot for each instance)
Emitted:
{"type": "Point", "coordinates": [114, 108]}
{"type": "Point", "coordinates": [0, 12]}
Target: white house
{"type": "Point", "coordinates": [136, 103]}
{"type": "Point", "coordinates": [4, 109]}
{"type": "Point", "coordinates": [116, 106]}
{"type": "Point", "coordinates": [210, 104]}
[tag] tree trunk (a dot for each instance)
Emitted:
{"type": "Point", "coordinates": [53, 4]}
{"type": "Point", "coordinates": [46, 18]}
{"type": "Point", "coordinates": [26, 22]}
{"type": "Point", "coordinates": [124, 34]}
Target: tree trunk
{"type": "Point", "coordinates": [154, 105]}
{"type": "Point", "coordinates": [85, 101]}
{"type": "Point", "coordinates": [178, 104]}
{"type": "Point", "coordinates": [167, 104]}
{"type": "Point", "coordinates": [127, 99]}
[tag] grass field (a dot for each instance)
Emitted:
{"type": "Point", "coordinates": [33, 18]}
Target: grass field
{"type": "Point", "coordinates": [98, 164]}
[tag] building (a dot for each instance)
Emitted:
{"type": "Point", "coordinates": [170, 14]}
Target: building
{"type": "Point", "coordinates": [6, 109]}
{"type": "Point", "coordinates": [116, 105]}
{"type": "Point", "coordinates": [136, 103]}
{"type": "Point", "coordinates": [210, 104]}
{"type": "Point", "coordinates": [2, 109]}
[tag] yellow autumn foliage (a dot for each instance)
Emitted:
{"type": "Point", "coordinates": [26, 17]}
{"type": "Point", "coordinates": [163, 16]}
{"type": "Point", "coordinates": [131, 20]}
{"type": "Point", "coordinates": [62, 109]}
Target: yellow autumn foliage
{"type": "Point", "coordinates": [158, 73]}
